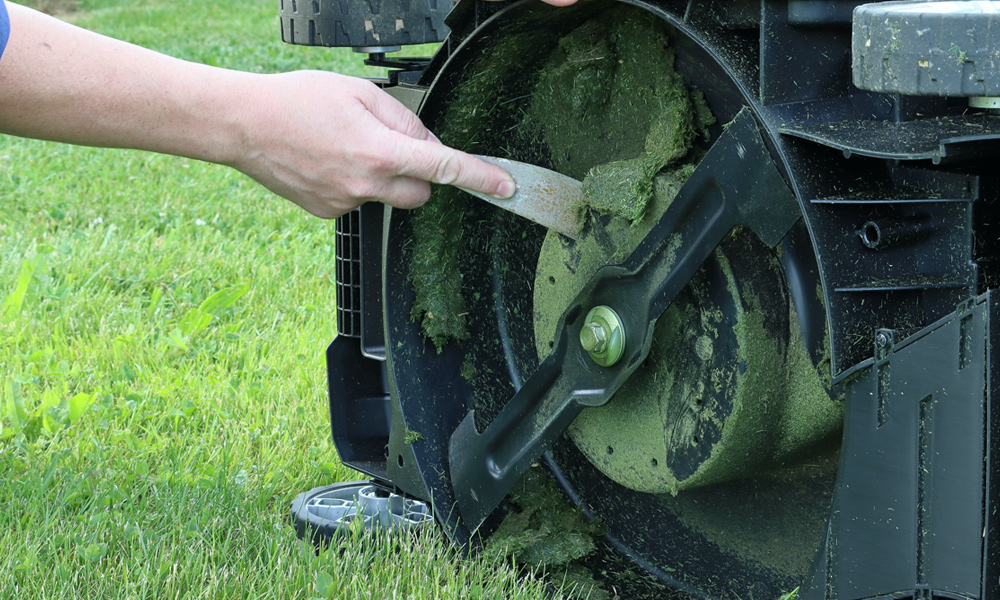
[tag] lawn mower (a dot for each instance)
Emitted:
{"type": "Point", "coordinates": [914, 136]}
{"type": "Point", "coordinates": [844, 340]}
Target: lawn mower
{"type": "Point", "coordinates": [766, 361]}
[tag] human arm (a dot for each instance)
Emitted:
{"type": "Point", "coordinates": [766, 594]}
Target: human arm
{"type": "Point", "coordinates": [325, 141]}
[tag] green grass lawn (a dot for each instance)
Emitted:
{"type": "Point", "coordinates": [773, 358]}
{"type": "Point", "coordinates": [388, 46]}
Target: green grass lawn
{"type": "Point", "coordinates": [162, 388]}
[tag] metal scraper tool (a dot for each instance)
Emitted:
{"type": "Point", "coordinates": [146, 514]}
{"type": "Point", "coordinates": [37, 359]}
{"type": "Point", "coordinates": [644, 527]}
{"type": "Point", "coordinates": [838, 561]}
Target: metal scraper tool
{"type": "Point", "coordinates": [550, 199]}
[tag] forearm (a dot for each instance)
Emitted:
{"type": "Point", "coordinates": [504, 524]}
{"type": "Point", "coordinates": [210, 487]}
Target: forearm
{"type": "Point", "coordinates": [63, 83]}
{"type": "Point", "coordinates": [324, 141]}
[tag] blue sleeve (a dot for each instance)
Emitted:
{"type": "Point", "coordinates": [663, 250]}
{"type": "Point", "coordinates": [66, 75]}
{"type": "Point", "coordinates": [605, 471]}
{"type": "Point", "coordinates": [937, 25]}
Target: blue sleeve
{"type": "Point", "coordinates": [4, 26]}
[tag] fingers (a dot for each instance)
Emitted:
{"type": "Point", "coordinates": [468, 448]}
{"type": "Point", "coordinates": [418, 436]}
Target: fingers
{"type": "Point", "coordinates": [424, 158]}
{"type": "Point", "coordinates": [408, 192]}
{"type": "Point", "coordinates": [437, 163]}
{"type": "Point", "coordinates": [393, 114]}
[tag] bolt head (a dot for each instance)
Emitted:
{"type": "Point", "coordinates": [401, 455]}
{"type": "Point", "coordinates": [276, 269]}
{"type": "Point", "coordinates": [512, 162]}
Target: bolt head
{"type": "Point", "coordinates": [602, 336]}
{"type": "Point", "coordinates": [593, 338]}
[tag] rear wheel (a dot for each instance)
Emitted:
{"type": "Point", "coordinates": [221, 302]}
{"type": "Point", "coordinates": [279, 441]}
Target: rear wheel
{"type": "Point", "coordinates": [370, 26]}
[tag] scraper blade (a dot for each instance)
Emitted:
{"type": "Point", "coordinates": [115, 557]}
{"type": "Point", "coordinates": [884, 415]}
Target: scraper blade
{"type": "Point", "coordinates": [550, 199]}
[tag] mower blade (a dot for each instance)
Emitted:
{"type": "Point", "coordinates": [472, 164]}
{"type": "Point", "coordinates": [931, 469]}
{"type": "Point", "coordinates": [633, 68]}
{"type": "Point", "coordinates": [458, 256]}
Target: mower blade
{"type": "Point", "coordinates": [550, 199]}
{"type": "Point", "coordinates": [735, 184]}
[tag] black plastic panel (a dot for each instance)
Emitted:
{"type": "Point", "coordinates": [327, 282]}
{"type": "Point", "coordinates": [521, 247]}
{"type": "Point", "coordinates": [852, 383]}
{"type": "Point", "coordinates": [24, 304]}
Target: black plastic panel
{"type": "Point", "coordinates": [359, 406]}
{"type": "Point", "coordinates": [909, 511]}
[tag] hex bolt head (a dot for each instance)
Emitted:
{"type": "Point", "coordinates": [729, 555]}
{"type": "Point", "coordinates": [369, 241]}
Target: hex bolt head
{"type": "Point", "coordinates": [881, 340]}
{"type": "Point", "coordinates": [593, 338]}
{"type": "Point", "coordinates": [603, 336]}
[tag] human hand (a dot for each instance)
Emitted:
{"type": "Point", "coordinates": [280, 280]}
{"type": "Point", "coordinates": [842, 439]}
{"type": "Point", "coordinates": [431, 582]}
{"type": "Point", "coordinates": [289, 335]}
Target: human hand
{"type": "Point", "coordinates": [330, 143]}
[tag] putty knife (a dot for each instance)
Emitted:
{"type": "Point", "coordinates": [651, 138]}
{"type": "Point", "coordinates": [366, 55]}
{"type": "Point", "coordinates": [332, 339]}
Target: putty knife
{"type": "Point", "coordinates": [550, 199]}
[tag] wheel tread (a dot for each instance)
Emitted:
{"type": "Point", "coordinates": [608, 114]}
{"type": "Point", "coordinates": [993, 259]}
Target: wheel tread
{"type": "Point", "coordinates": [355, 23]}
{"type": "Point", "coordinates": [905, 48]}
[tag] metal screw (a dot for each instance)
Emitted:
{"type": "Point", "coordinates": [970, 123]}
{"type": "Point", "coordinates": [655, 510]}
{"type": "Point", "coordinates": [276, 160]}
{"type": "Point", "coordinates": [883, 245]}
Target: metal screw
{"type": "Point", "coordinates": [881, 340]}
{"type": "Point", "coordinates": [603, 336]}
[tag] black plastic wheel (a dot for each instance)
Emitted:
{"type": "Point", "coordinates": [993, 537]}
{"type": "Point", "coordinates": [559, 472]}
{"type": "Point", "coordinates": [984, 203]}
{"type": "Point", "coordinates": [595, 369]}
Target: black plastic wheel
{"type": "Point", "coordinates": [323, 514]}
{"type": "Point", "coordinates": [362, 24]}
{"type": "Point", "coordinates": [949, 48]}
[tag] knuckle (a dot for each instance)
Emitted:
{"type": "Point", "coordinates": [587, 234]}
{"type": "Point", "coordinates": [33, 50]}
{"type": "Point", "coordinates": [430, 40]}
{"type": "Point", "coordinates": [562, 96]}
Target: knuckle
{"type": "Point", "coordinates": [383, 165]}
{"type": "Point", "coordinates": [361, 189]}
{"type": "Point", "coordinates": [448, 170]}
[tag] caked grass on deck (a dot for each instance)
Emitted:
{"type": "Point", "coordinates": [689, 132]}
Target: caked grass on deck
{"type": "Point", "coordinates": [162, 387]}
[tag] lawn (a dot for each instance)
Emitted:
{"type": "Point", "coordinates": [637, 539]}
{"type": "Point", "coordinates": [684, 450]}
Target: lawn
{"type": "Point", "coordinates": [162, 387]}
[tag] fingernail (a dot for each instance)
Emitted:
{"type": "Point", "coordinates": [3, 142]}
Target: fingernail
{"type": "Point", "coordinates": [506, 189]}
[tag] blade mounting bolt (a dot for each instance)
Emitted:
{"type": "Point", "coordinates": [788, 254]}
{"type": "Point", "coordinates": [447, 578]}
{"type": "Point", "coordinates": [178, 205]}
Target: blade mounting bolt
{"type": "Point", "coordinates": [593, 338]}
{"type": "Point", "coordinates": [603, 336]}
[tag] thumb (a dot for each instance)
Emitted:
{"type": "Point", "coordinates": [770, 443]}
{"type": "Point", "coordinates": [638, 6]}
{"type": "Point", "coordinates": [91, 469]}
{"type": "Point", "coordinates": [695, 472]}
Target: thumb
{"type": "Point", "coordinates": [433, 161]}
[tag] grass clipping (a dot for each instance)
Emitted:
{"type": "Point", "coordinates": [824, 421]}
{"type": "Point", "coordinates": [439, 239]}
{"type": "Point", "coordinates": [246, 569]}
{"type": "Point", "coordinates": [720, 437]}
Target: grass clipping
{"type": "Point", "coordinates": [606, 107]}
{"type": "Point", "coordinates": [470, 123]}
{"type": "Point", "coordinates": [547, 533]}
{"type": "Point", "coordinates": [614, 112]}
{"type": "Point", "coordinates": [434, 269]}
